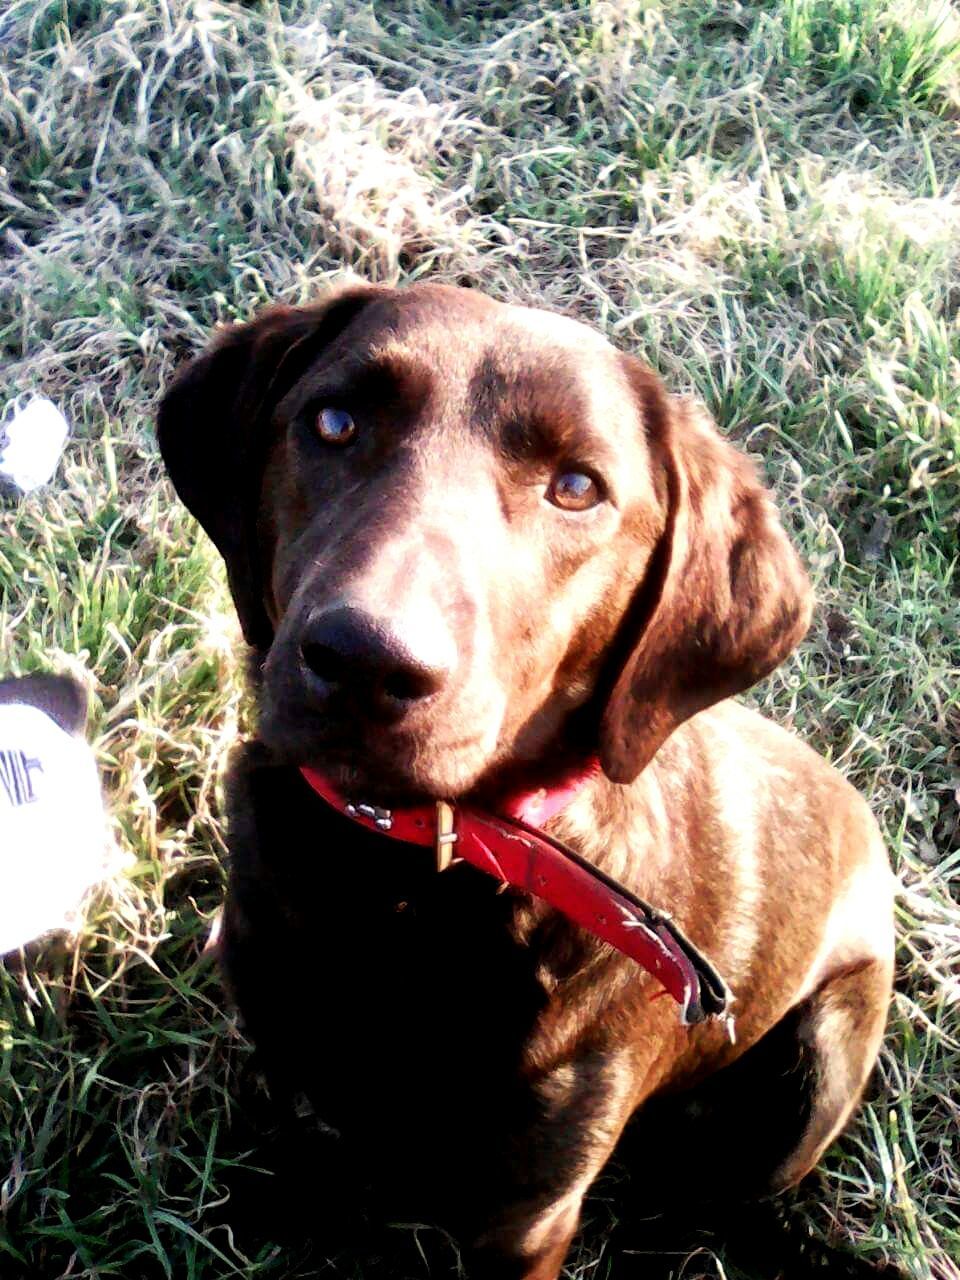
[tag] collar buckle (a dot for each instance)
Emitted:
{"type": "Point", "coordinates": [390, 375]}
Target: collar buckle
{"type": "Point", "coordinates": [446, 836]}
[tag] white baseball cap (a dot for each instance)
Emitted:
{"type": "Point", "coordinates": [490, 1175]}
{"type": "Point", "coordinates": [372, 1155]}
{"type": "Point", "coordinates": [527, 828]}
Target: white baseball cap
{"type": "Point", "coordinates": [53, 842]}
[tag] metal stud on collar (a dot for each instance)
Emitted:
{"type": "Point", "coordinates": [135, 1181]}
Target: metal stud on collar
{"type": "Point", "coordinates": [382, 818]}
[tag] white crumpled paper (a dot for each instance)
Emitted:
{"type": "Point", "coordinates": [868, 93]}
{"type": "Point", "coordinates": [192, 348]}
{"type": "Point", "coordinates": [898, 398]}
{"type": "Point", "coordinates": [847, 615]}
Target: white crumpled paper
{"type": "Point", "coordinates": [31, 443]}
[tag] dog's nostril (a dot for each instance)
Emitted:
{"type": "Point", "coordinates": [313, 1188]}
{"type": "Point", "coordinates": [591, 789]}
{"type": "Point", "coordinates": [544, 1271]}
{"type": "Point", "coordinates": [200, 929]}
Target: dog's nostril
{"type": "Point", "coordinates": [406, 686]}
{"type": "Point", "coordinates": [324, 662]}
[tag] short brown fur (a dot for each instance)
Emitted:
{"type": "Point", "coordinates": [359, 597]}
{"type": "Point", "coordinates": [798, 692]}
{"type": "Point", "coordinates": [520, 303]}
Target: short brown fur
{"type": "Point", "coordinates": [430, 623]}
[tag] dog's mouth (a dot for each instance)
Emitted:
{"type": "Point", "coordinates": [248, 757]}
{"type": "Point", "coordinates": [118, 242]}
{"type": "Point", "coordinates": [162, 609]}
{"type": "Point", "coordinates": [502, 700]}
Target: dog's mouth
{"type": "Point", "coordinates": [380, 763]}
{"type": "Point", "coordinates": [374, 739]}
{"type": "Point", "coordinates": [376, 776]}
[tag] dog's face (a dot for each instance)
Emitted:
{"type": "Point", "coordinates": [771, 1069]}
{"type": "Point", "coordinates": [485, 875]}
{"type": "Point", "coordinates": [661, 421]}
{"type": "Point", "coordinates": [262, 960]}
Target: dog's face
{"type": "Point", "coordinates": [456, 528]}
{"type": "Point", "coordinates": [457, 502]}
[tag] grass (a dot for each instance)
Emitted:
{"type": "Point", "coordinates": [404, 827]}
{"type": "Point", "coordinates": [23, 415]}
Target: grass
{"type": "Point", "coordinates": [762, 199]}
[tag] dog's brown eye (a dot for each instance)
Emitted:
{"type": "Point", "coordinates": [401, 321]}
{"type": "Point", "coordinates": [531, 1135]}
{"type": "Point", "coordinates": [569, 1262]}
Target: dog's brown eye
{"type": "Point", "coordinates": [335, 426]}
{"type": "Point", "coordinates": [574, 491]}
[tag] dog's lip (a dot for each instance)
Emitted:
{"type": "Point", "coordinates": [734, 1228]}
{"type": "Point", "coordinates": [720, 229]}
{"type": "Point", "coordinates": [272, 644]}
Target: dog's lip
{"type": "Point", "coordinates": [361, 756]}
{"type": "Point", "coordinates": [341, 749]}
{"type": "Point", "coordinates": [341, 757]}
{"type": "Point", "coordinates": [372, 773]}
{"type": "Point", "coordinates": [361, 784]}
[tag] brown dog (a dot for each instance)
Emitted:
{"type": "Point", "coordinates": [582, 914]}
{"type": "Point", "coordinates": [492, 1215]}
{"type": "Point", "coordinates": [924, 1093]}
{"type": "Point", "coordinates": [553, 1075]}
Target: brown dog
{"type": "Point", "coordinates": [472, 546]}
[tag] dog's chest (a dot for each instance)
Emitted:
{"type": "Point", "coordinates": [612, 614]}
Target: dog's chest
{"type": "Point", "coordinates": [371, 974]}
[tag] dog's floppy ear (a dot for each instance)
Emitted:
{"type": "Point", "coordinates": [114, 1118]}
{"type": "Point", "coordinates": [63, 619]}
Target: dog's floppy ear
{"type": "Point", "coordinates": [213, 428]}
{"type": "Point", "coordinates": [726, 598]}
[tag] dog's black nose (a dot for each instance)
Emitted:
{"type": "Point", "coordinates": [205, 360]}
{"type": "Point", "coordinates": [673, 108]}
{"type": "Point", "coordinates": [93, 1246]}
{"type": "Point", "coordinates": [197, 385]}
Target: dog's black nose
{"type": "Point", "coordinates": [368, 660]}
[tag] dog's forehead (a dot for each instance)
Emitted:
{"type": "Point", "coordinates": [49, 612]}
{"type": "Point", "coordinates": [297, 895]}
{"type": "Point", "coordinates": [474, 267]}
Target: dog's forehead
{"type": "Point", "coordinates": [558, 331]}
{"type": "Point", "coordinates": [461, 336]}
{"type": "Point", "coordinates": [430, 316]}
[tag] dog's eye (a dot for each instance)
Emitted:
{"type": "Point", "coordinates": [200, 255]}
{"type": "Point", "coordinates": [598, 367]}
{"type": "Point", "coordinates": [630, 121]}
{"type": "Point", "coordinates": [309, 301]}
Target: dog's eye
{"type": "Point", "coordinates": [574, 491]}
{"type": "Point", "coordinates": [335, 426]}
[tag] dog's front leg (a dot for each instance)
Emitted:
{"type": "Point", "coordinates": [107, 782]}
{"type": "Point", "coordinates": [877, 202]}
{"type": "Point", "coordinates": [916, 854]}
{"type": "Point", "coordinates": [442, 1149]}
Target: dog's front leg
{"type": "Point", "coordinates": [530, 1244]}
{"type": "Point", "coordinates": [583, 1106]}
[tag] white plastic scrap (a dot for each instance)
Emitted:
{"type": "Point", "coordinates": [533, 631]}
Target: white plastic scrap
{"type": "Point", "coordinates": [31, 444]}
{"type": "Point", "coordinates": [53, 839]}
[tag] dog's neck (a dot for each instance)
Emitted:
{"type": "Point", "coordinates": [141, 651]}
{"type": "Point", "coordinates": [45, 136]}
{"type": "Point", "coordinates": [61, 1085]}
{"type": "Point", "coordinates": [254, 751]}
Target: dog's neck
{"type": "Point", "coordinates": [537, 804]}
{"type": "Point", "coordinates": [511, 846]}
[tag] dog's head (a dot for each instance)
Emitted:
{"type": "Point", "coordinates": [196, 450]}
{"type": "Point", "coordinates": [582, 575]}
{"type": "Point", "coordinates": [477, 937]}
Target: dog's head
{"type": "Point", "coordinates": [463, 534]}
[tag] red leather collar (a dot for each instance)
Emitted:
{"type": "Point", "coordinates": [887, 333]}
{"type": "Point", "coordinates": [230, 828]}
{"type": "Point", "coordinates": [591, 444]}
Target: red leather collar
{"type": "Point", "coordinates": [514, 851]}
